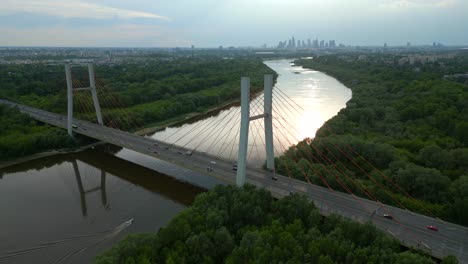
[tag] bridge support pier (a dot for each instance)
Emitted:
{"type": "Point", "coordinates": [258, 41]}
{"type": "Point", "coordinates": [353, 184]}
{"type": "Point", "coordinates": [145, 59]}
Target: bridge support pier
{"type": "Point", "coordinates": [69, 99]}
{"type": "Point", "coordinates": [268, 121]}
{"type": "Point", "coordinates": [244, 128]}
{"type": "Point", "coordinates": [70, 89]}
{"type": "Point", "coordinates": [244, 131]}
{"type": "Point", "coordinates": [92, 85]}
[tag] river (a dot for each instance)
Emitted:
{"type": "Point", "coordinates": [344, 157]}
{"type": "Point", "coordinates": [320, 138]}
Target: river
{"type": "Point", "coordinates": [303, 100]}
{"type": "Point", "coordinates": [71, 207]}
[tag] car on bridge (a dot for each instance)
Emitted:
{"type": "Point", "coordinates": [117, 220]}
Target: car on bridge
{"type": "Point", "coordinates": [388, 216]}
{"type": "Point", "coordinates": [433, 228]}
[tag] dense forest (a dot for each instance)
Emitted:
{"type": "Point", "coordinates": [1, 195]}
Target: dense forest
{"type": "Point", "coordinates": [403, 136]}
{"type": "Point", "coordinates": [246, 225]}
{"type": "Point", "coordinates": [132, 95]}
{"type": "Point", "coordinates": [20, 135]}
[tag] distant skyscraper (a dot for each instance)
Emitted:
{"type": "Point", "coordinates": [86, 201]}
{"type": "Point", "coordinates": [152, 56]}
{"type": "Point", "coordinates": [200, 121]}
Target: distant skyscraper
{"type": "Point", "coordinates": [316, 43]}
{"type": "Point", "coordinates": [293, 42]}
{"type": "Point", "coordinates": [385, 45]}
{"type": "Point", "coordinates": [322, 44]}
{"type": "Point", "coordinates": [282, 45]}
{"type": "Point", "coordinates": [332, 44]}
{"type": "Point", "coordinates": [309, 45]}
{"type": "Point", "coordinates": [408, 44]}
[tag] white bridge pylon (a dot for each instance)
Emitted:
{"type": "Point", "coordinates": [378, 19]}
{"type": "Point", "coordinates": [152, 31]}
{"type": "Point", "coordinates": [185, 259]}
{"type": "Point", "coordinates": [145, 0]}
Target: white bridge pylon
{"type": "Point", "coordinates": [70, 89]}
{"type": "Point", "coordinates": [244, 127]}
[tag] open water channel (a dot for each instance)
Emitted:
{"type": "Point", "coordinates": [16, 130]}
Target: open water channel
{"type": "Point", "coordinates": [68, 208]}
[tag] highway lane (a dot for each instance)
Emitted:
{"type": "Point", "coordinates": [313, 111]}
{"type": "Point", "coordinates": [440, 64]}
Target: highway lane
{"type": "Point", "coordinates": [409, 228]}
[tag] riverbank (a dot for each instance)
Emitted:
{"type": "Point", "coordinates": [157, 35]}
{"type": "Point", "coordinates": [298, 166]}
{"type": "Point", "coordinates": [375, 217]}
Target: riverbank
{"type": "Point", "coordinates": [192, 117]}
{"type": "Point", "coordinates": [186, 118]}
{"type": "Point", "coordinates": [402, 128]}
{"type": "Point", "coordinates": [8, 163]}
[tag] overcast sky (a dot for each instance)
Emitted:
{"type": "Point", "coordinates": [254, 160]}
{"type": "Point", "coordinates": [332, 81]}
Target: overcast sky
{"type": "Point", "coordinates": [210, 23]}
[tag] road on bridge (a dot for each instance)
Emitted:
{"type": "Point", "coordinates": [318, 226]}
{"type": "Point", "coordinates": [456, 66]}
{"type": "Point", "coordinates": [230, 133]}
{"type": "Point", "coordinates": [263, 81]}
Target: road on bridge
{"type": "Point", "coordinates": [407, 227]}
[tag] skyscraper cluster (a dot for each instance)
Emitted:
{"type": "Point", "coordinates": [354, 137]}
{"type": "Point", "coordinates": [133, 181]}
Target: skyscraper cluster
{"type": "Point", "coordinates": [292, 43]}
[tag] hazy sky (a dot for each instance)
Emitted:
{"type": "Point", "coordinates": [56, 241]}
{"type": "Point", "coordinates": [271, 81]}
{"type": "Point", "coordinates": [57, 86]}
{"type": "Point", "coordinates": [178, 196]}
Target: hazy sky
{"type": "Point", "coordinates": [210, 23]}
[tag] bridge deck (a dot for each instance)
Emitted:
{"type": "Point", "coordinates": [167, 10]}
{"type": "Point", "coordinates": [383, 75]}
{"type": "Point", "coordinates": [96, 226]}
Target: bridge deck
{"type": "Point", "coordinates": [408, 227]}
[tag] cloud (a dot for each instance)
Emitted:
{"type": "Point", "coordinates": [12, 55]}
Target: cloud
{"type": "Point", "coordinates": [410, 4]}
{"type": "Point", "coordinates": [126, 35]}
{"type": "Point", "coordinates": [71, 9]}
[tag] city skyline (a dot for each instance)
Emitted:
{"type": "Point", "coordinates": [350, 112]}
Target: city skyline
{"type": "Point", "coordinates": [210, 23]}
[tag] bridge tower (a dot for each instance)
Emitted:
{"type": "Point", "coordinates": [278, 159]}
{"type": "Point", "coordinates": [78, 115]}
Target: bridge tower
{"type": "Point", "coordinates": [70, 89]}
{"type": "Point", "coordinates": [244, 128]}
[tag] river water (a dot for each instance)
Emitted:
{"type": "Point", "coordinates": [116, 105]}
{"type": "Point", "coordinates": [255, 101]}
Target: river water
{"type": "Point", "coordinates": [71, 207]}
{"type": "Point", "coordinates": [68, 197]}
{"type": "Point", "coordinates": [303, 100]}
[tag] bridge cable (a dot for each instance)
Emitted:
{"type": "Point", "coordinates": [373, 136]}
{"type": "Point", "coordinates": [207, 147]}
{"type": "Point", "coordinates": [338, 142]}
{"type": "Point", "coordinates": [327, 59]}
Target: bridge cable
{"type": "Point", "coordinates": [211, 130]}
{"type": "Point", "coordinates": [115, 109]}
{"type": "Point", "coordinates": [226, 136]}
{"type": "Point", "coordinates": [232, 120]}
{"type": "Point", "coordinates": [202, 129]}
{"type": "Point", "coordinates": [366, 191]}
{"type": "Point", "coordinates": [370, 177]}
{"type": "Point", "coordinates": [330, 163]}
{"type": "Point", "coordinates": [116, 103]}
{"type": "Point", "coordinates": [292, 158]}
{"type": "Point", "coordinates": [124, 111]}
{"type": "Point", "coordinates": [386, 177]}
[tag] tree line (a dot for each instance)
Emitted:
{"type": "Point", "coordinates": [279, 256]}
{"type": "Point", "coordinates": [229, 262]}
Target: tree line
{"type": "Point", "coordinates": [247, 225]}
{"type": "Point", "coordinates": [410, 124]}
{"type": "Point", "coordinates": [151, 91]}
{"type": "Point", "coordinates": [131, 94]}
{"type": "Point", "coordinates": [20, 135]}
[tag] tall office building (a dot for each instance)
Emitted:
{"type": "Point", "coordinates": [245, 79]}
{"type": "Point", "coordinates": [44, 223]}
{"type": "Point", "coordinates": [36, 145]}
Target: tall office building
{"type": "Point", "coordinates": [316, 43]}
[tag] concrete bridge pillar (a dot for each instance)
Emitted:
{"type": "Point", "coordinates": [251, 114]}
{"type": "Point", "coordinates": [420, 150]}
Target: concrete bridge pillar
{"type": "Point", "coordinates": [268, 121]}
{"type": "Point", "coordinates": [92, 85]}
{"type": "Point", "coordinates": [244, 131]}
{"type": "Point", "coordinates": [244, 128]}
{"type": "Point", "coordinates": [69, 99]}
{"type": "Point", "coordinates": [70, 89]}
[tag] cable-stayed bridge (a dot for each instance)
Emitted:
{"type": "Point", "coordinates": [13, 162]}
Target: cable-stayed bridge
{"type": "Point", "coordinates": [407, 227]}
